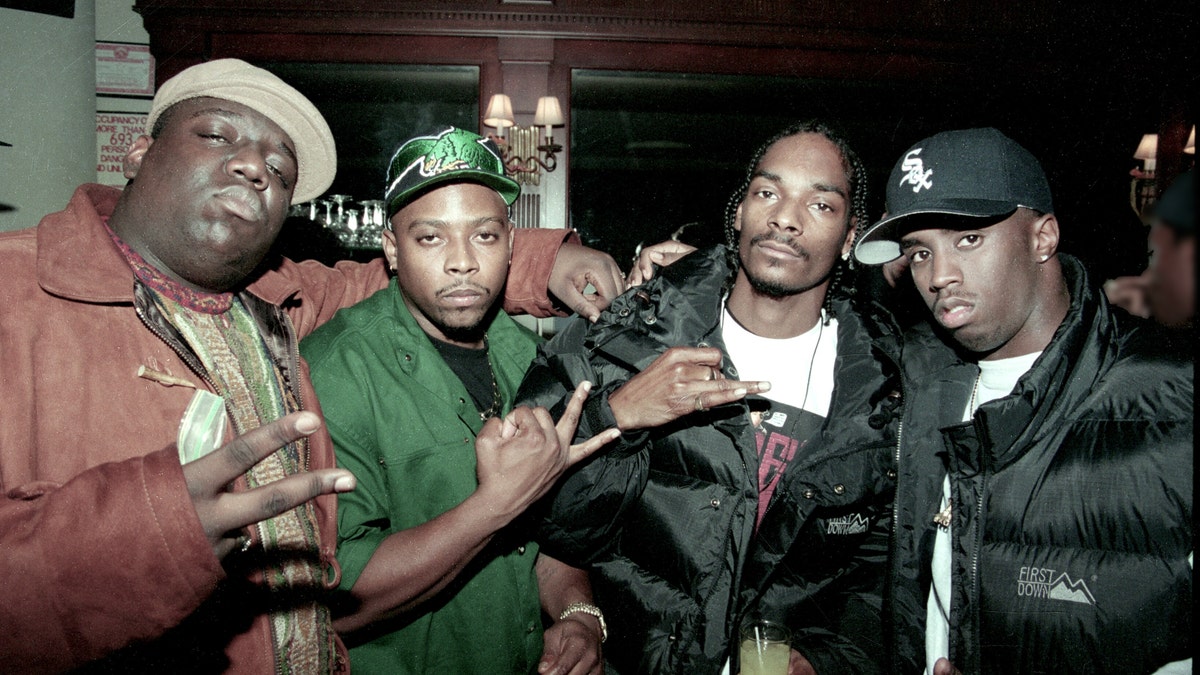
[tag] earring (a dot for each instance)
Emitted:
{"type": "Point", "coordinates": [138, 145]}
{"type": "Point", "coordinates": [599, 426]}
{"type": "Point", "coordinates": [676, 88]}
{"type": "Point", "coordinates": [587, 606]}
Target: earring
{"type": "Point", "coordinates": [1045, 257]}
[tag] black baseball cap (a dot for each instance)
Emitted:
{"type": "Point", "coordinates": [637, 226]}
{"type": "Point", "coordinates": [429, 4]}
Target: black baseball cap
{"type": "Point", "coordinates": [974, 173]}
{"type": "Point", "coordinates": [1177, 207]}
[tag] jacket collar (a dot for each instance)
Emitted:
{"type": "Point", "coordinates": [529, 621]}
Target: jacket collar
{"type": "Point", "coordinates": [1061, 377]}
{"type": "Point", "coordinates": [682, 299]}
{"type": "Point", "coordinates": [78, 260]}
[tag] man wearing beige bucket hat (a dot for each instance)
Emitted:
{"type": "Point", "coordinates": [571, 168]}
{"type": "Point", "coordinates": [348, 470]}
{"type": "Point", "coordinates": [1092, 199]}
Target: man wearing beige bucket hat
{"type": "Point", "coordinates": [168, 495]}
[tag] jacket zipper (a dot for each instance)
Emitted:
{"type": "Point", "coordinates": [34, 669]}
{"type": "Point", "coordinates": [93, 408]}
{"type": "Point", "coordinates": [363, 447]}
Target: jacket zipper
{"type": "Point", "coordinates": [975, 554]}
{"type": "Point", "coordinates": [186, 356]}
{"type": "Point", "coordinates": [895, 522]}
{"type": "Point", "coordinates": [294, 370]}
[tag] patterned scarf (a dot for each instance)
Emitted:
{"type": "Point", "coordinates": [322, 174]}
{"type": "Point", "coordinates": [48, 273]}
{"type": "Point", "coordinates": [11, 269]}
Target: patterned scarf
{"type": "Point", "coordinates": [221, 331]}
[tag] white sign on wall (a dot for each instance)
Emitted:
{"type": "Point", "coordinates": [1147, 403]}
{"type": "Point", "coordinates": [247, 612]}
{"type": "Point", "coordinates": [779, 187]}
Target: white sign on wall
{"type": "Point", "coordinates": [124, 69]}
{"type": "Point", "coordinates": [115, 132]}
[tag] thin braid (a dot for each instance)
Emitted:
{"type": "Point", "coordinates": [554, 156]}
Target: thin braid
{"type": "Point", "coordinates": [856, 176]}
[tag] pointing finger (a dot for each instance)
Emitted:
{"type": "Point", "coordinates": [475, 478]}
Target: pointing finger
{"type": "Point", "coordinates": [569, 420]}
{"type": "Point", "coordinates": [231, 460]}
{"type": "Point", "coordinates": [701, 356]}
{"type": "Point", "coordinates": [580, 451]}
{"type": "Point", "coordinates": [720, 392]}
{"type": "Point", "coordinates": [252, 506]}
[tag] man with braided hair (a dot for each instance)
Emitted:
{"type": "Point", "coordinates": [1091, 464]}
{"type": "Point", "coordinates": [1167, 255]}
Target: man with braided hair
{"type": "Point", "coordinates": [754, 471]}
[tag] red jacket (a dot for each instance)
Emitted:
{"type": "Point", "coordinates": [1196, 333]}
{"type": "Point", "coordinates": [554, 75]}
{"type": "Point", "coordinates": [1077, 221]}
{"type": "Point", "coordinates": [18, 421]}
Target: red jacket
{"type": "Point", "coordinates": [100, 548]}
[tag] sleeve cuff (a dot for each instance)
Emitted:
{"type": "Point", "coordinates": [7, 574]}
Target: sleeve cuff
{"type": "Point", "coordinates": [534, 253]}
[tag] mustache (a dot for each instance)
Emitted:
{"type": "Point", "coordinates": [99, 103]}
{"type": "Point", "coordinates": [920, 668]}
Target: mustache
{"type": "Point", "coordinates": [465, 286]}
{"type": "Point", "coordinates": [783, 240]}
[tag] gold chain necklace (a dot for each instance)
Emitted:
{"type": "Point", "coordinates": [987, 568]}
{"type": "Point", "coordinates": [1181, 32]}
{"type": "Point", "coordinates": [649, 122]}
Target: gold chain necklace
{"type": "Point", "coordinates": [494, 409]}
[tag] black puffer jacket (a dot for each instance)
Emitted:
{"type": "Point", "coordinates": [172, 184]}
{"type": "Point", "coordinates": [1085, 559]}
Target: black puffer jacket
{"type": "Point", "coordinates": [665, 518]}
{"type": "Point", "coordinates": [1072, 519]}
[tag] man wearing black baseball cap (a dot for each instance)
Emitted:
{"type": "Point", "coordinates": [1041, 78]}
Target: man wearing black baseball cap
{"type": "Point", "coordinates": [1044, 505]}
{"type": "Point", "coordinates": [418, 383]}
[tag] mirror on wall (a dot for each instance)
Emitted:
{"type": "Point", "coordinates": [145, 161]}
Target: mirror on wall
{"type": "Point", "coordinates": [653, 152]}
{"type": "Point", "coordinates": [371, 109]}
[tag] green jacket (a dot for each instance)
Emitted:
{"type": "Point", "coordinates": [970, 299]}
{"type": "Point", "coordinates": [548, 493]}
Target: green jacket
{"type": "Point", "coordinates": [404, 424]}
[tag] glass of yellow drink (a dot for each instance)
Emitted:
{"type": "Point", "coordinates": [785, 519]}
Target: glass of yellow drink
{"type": "Point", "coordinates": [765, 648]}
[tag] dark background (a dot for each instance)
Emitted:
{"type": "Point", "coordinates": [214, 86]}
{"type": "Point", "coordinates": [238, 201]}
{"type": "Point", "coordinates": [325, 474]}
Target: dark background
{"type": "Point", "coordinates": [669, 98]}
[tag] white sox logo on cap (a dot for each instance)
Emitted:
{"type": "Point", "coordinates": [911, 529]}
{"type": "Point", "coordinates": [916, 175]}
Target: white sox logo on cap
{"type": "Point", "coordinates": [917, 175]}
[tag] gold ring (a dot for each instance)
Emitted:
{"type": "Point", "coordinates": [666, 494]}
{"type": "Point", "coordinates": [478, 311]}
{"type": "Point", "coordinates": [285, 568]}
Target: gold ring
{"type": "Point", "coordinates": [699, 402]}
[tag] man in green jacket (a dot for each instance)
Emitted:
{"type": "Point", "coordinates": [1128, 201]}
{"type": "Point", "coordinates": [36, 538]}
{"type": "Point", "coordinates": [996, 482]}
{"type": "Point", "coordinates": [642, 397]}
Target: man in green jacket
{"type": "Point", "coordinates": [436, 574]}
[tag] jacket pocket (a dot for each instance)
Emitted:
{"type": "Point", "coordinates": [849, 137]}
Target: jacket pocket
{"type": "Point", "coordinates": [679, 531]}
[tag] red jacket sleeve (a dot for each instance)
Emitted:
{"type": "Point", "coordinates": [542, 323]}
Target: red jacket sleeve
{"type": "Point", "coordinates": [313, 292]}
{"type": "Point", "coordinates": [116, 555]}
{"type": "Point", "coordinates": [534, 253]}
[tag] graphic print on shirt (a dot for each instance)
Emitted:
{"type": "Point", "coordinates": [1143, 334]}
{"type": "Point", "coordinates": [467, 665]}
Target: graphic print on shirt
{"type": "Point", "coordinates": [780, 432]}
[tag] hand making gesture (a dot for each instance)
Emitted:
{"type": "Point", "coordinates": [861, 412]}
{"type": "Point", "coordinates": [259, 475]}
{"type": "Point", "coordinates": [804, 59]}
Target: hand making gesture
{"type": "Point", "coordinates": [681, 381]}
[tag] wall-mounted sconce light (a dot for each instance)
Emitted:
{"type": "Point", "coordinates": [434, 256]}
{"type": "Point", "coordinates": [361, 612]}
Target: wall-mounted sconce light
{"type": "Point", "coordinates": [1190, 146]}
{"type": "Point", "coordinates": [1147, 151]}
{"type": "Point", "coordinates": [525, 152]}
{"type": "Point", "coordinates": [1141, 188]}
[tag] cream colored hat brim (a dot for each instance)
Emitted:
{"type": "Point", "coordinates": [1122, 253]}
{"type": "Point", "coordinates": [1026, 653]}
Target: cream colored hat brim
{"type": "Point", "coordinates": [257, 89]}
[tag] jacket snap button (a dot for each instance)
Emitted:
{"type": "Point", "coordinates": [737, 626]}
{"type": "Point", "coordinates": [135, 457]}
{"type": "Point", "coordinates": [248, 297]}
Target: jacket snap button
{"type": "Point", "coordinates": [624, 312]}
{"type": "Point", "coordinates": [891, 473]}
{"type": "Point", "coordinates": [466, 439]}
{"type": "Point", "coordinates": [651, 320]}
{"type": "Point", "coordinates": [716, 503]}
{"type": "Point", "coordinates": [462, 401]}
{"type": "Point", "coordinates": [809, 494]}
{"type": "Point", "coordinates": [408, 357]}
{"type": "Point", "coordinates": [521, 550]}
{"type": "Point", "coordinates": [839, 489]}
{"type": "Point", "coordinates": [671, 637]}
{"type": "Point", "coordinates": [702, 344]}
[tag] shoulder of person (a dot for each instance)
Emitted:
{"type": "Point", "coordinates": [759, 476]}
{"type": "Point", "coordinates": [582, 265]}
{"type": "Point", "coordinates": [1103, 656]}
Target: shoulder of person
{"type": "Point", "coordinates": [348, 327]}
{"type": "Point", "coordinates": [515, 327]}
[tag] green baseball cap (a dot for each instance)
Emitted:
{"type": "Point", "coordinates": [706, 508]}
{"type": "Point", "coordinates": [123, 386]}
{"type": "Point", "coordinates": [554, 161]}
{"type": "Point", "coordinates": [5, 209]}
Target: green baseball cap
{"type": "Point", "coordinates": [450, 156]}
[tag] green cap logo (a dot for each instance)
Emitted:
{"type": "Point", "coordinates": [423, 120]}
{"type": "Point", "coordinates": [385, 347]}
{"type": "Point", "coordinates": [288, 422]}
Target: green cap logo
{"type": "Point", "coordinates": [451, 156]}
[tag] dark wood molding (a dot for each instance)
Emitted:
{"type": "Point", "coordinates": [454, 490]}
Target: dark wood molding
{"type": "Point", "coordinates": [782, 36]}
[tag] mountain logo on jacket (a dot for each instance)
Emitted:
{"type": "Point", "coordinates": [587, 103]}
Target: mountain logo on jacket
{"type": "Point", "coordinates": [1042, 582]}
{"type": "Point", "coordinates": [855, 523]}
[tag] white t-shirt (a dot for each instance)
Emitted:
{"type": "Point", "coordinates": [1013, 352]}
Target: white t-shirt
{"type": "Point", "coordinates": [800, 369]}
